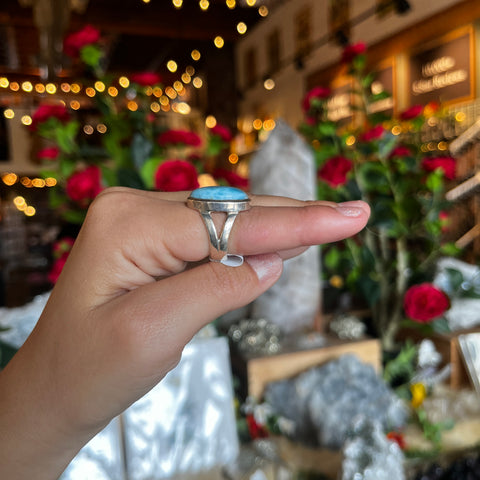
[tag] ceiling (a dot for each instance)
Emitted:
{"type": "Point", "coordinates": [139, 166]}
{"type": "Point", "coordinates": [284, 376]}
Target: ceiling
{"type": "Point", "coordinates": [138, 36]}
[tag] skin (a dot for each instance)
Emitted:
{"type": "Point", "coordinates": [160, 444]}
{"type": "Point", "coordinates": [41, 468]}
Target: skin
{"type": "Point", "coordinates": [135, 289]}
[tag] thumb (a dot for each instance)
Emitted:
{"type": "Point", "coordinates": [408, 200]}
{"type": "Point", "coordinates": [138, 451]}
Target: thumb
{"type": "Point", "coordinates": [162, 317]}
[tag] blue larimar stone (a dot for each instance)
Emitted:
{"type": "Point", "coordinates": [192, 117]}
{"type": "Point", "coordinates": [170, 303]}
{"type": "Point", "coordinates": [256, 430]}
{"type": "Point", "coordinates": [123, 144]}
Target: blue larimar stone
{"type": "Point", "coordinates": [219, 193]}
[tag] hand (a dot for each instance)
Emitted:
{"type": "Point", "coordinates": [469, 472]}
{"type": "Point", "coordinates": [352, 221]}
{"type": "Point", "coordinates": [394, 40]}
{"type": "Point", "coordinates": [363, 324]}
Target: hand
{"type": "Point", "coordinates": [132, 294]}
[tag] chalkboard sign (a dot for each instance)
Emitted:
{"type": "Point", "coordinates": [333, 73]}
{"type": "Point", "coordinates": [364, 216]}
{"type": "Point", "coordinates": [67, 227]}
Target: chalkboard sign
{"type": "Point", "coordinates": [442, 73]}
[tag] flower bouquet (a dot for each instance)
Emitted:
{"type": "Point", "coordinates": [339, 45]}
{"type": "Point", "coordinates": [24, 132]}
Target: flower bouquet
{"type": "Point", "coordinates": [119, 138]}
{"type": "Point", "coordinates": [378, 158]}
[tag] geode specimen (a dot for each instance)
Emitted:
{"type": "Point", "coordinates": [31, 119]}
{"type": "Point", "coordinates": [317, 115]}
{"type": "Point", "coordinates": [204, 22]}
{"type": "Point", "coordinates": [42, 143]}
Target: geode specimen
{"type": "Point", "coordinates": [324, 401]}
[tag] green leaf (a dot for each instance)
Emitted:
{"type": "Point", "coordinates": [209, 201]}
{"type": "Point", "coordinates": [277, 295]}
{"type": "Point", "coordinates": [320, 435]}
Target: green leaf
{"type": "Point", "coordinates": [74, 216]}
{"type": "Point", "coordinates": [434, 181]}
{"type": "Point", "coordinates": [129, 178]}
{"type": "Point", "coordinates": [332, 258]}
{"type": "Point", "coordinates": [147, 172]}
{"type": "Point", "coordinates": [91, 55]}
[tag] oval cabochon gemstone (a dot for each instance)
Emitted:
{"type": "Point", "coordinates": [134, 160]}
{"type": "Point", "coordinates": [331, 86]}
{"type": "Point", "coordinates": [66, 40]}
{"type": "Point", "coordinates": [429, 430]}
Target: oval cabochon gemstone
{"type": "Point", "coordinates": [219, 193]}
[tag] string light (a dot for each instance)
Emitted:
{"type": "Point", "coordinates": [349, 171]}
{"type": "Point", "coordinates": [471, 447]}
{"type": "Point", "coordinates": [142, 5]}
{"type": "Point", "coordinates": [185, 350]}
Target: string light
{"type": "Point", "coordinates": [172, 66]}
{"type": "Point", "coordinates": [27, 87]}
{"type": "Point", "coordinates": [231, 4]}
{"type": "Point", "coordinates": [177, 3]}
{"type": "Point", "coordinates": [204, 4]}
{"type": "Point", "coordinates": [9, 113]}
{"type": "Point", "coordinates": [210, 121]}
{"type": "Point", "coordinates": [195, 55]}
{"type": "Point", "coordinates": [241, 28]}
{"type": "Point", "coordinates": [263, 11]}
{"type": "Point", "coordinates": [51, 88]}
{"type": "Point", "coordinates": [218, 41]}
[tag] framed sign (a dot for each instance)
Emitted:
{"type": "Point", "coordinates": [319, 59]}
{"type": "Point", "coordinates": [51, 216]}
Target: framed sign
{"type": "Point", "coordinates": [340, 102]}
{"type": "Point", "coordinates": [339, 19]}
{"type": "Point", "coordinates": [470, 348]}
{"type": "Point", "coordinates": [445, 71]}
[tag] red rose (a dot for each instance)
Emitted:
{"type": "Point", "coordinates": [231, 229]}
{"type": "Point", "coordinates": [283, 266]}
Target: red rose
{"type": "Point", "coordinates": [373, 134]}
{"type": "Point", "coordinates": [84, 185]}
{"type": "Point", "coordinates": [222, 131]}
{"type": "Point", "coordinates": [352, 51]}
{"type": "Point", "coordinates": [179, 137]}
{"type": "Point", "coordinates": [146, 79]}
{"type": "Point", "coordinates": [316, 93]}
{"type": "Point", "coordinates": [175, 176]}
{"type": "Point", "coordinates": [400, 151]}
{"type": "Point", "coordinates": [57, 268]}
{"type": "Point", "coordinates": [49, 153]}
{"type": "Point", "coordinates": [47, 111]}
{"type": "Point", "coordinates": [447, 164]}
{"type": "Point", "coordinates": [74, 42]}
{"type": "Point", "coordinates": [425, 302]}
{"type": "Point", "coordinates": [334, 171]}
{"type": "Point", "coordinates": [232, 178]}
{"type": "Point", "coordinates": [254, 429]}
{"type": "Point", "coordinates": [398, 438]}
{"type": "Point", "coordinates": [412, 112]}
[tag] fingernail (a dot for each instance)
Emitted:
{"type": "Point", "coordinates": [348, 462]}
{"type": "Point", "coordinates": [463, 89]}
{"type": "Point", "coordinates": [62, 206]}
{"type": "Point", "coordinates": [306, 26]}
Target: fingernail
{"type": "Point", "coordinates": [266, 266]}
{"type": "Point", "coordinates": [349, 211]}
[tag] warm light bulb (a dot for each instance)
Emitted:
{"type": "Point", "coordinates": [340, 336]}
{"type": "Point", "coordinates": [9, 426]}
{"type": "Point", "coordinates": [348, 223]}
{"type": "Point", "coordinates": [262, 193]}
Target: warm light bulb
{"type": "Point", "coordinates": [210, 121]}
{"type": "Point", "coordinates": [251, 3]}
{"type": "Point", "coordinates": [269, 84]}
{"type": "Point", "coordinates": [51, 88]}
{"type": "Point", "coordinates": [124, 82]}
{"type": "Point", "coordinates": [99, 86]}
{"type": "Point", "coordinates": [195, 55]}
{"type": "Point", "coordinates": [218, 41]}
{"type": "Point", "coordinates": [204, 4]}
{"type": "Point", "coordinates": [241, 28]}
{"type": "Point", "coordinates": [177, 3]}
{"type": "Point", "coordinates": [263, 11]}
{"type": "Point", "coordinates": [27, 87]}
{"type": "Point", "coordinates": [178, 86]}
{"type": "Point", "coordinates": [9, 113]}
{"type": "Point", "coordinates": [231, 4]}
{"type": "Point", "coordinates": [186, 78]}
{"type": "Point", "coordinates": [172, 66]}
{"type": "Point", "coordinates": [197, 82]}
{"type": "Point", "coordinates": [4, 83]}
{"type": "Point", "coordinates": [27, 120]}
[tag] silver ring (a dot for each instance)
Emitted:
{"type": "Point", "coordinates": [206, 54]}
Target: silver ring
{"type": "Point", "coordinates": [228, 200]}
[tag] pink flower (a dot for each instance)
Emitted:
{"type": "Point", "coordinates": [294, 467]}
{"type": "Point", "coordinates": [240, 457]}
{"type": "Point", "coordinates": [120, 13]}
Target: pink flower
{"type": "Point", "coordinates": [83, 186]}
{"type": "Point", "coordinates": [373, 134]}
{"type": "Point", "coordinates": [425, 302]}
{"type": "Point", "coordinates": [335, 170]}
{"type": "Point", "coordinates": [179, 137]}
{"type": "Point", "coordinates": [447, 164]}
{"type": "Point", "coordinates": [400, 151]}
{"type": "Point", "coordinates": [316, 93]}
{"type": "Point", "coordinates": [232, 178]}
{"type": "Point", "coordinates": [222, 131]}
{"type": "Point", "coordinates": [352, 51]}
{"type": "Point", "coordinates": [412, 112]}
{"type": "Point", "coordinates": [146, 79]}
{"type": "Point", "coordinates": [49, 153]}
{"type": "Point", "coordinates": [74, 42]}
{"type": "Point", "coordinates": [46, 111]}
{"type": "Point", "coordinates": [175, 176]}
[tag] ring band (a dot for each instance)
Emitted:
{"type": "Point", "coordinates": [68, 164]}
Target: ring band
{"type": "Point", "coordinates": [228, 200]}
